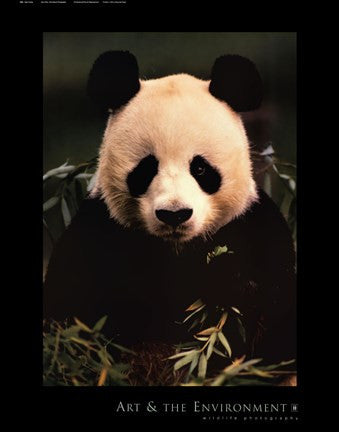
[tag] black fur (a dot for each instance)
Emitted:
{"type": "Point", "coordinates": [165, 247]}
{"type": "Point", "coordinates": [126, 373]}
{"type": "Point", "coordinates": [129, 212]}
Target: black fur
{"type": "Point", "coordinates": [235, 80]}
{"type": "Point", "coordinates": [208, 177]}
{"type": "Point", "coordinates": [144, 285]}
{"type": "Point", "coordinates": [113, 80]}
{"type": "Point", "coordinates": [141, 177]}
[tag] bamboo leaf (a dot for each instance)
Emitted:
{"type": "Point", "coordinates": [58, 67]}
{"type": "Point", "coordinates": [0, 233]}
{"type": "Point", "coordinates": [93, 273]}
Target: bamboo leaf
{"type": "Point", "coordinates": [193, 364]}
{"type": "Point", "coordinates": [78, 169]}
{"type": "Point", "coordinates": [275, 366]}
{"type": "Point", "coordinates": [83, 176]}
{"type": "Point", "coordinates": [194, 324]}
{"type": "Point", "coordinates": [65, 212]}
{"type": "Point", "coordinates": [218, 250]}
{"type": "Point", "coordinates": [181, 354]}
{"type": "Point", "coordinates": [60, 170]}
{"type": "Point", "coordinates": [241, 329]}
{"type": "Point", "coordinates": [83, 326]}
{"type": "Point", "coordinates": [50, 203]}
{"type": "Point", "coordinates": [285, 205]}
{"type": "Point", "coordinates": [70, 200]}
{"type": "Point", "coordinates": [192, 384]}
{"type": "Point", "coordinates": [238, 365]}
{"type": "Point", "coordinates": [224, 341]}
{"type": "Point", "coordinates": [261, 373]}
{"type": "Point", "coordinates": [213, 338]}
{"type": "Point", "coordinates": [103, 376]}
{"type": "Point", "coordinates": [99, 325]}
{"type": "Point", "coordinates": [207, 332]}
{"type": "Point", "coordinates": [186, 345]}
{"type": "Point", "coordinates": [193, 313]}
{"type": "Point", "coordinates": [267, 186]}
{"type": "Point", "coordinates": [268, 151]}
{"type": "Point", "coordinates": [219, 352]}
{"type": "Point", "coordinates": [222, 320]}
{"type": "Point", "coordinates": [92, 182]}
{"type": "Point", "coordinates": [203, 318]}
{"type": "Point", "coordinates": [115, 375]}
{"type": "Point", "coordinates": [80, 341]}
{"type": "Point", "coordinates": [292, 184]}
{"type": "Point", "coordinates": [233, 370]}
{"type": "Point", "coordinates": [71, 331]}
{"type": "Point", "coordinates": [202, 339]}
{"type": "Point", "coordinates": [121, 348]}
{"type": "Point", "coordinates": [236, 310]}
{"type": "Point", "coordinates": [195, 305]}
{"type": "Point", "coordinates": [185, 360]}
{"type": "Point", "coordinates": [202, 366]}
{"type": "Point", "coordinates": [104, 357]}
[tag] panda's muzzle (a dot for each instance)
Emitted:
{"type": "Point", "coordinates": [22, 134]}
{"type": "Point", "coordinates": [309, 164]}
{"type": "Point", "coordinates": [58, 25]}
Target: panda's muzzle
{"type": "Point", "coordinates": [174, 218]}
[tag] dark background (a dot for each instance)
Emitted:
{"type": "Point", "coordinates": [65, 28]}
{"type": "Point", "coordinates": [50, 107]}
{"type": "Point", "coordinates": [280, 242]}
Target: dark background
{"type": "Point", "coordinates": [73, 131]}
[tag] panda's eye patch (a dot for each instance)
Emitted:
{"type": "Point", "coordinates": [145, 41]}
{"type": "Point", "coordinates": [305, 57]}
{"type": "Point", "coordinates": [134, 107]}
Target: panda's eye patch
{"type": "Point", "coordinates": [206, 176]}
{"type": "Point", "coordinates": [141, 177]}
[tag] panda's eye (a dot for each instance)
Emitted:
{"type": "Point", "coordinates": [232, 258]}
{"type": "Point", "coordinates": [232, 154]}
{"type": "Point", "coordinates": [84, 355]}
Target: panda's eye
{"type": "Point", "coordinates": [205, 174]}
{"type": "Point", "coordinates": [200, 170]}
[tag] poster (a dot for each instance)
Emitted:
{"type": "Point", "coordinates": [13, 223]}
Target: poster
{"type": "Point", "coordinates": [173, 184]}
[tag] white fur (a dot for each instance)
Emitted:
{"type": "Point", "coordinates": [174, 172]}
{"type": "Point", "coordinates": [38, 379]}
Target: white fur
{"type": "Point", "coordinates": [175, 118]}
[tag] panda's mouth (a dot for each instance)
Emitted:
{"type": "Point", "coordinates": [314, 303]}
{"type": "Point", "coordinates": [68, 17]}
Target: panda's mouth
{"type": "Point", "coordinates": [178, 234]}
{"type": "Point", "coordinates": [175, 235]}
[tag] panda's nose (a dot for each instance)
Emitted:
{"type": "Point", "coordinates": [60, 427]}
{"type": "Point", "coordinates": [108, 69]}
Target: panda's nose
{"type": "Point", "coordinates": [174, 218]}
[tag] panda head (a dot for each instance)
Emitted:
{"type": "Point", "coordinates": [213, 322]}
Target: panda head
{"type": "Point", "coordinates": [175, 156]}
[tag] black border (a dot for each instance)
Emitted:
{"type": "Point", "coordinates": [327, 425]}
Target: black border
{"type": "Point", "coordinates": [92, 401]}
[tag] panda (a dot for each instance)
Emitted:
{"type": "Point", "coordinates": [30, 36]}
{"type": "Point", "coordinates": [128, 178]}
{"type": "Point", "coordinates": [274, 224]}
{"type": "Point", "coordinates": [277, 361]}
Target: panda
{"type": "Point", "coordinates": [174, 180]}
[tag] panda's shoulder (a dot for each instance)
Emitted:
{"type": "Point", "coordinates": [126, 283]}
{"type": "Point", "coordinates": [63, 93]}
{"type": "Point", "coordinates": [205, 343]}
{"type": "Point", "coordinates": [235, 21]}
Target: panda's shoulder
{"type": "Point", "coordinates": [263, 226]}
{"type": "Point", "coordinates": [92, 215]}
{"type": "Point", "coordinates": [265, 210]}
{"type": "Point", "coordinates": [90, 224]}
{"type": "Point", "coordinates": [92, 208]}
{"type": "Point", "coordinates": [267, 227]}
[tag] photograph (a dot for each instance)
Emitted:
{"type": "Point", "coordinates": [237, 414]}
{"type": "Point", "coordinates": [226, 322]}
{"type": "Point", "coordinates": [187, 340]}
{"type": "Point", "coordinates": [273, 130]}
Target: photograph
{"type": "Point", "coordinates": [169, 211]}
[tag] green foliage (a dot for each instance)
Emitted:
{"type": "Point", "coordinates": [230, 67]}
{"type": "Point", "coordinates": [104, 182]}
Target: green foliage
{"type": "Point", "coordinates": [217, 251]}
{"type": "Point", "coordinates": [73, 182]}
{"type": "Point", "coordinates": [210, 341]}
{"type": "Point", "coordinates": [285, 173]}
{"type": "Point", "coordinates": [78, 355]}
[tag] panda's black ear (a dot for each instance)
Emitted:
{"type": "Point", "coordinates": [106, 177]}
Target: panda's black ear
{"type": "Point", "coordinates": [235, 80]}
{"type": "Point", "coordinates": [113, 79]}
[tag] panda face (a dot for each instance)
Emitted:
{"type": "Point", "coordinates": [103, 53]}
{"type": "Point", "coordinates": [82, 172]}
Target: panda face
{"type": "Point", "coordinates": [175, 161]}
